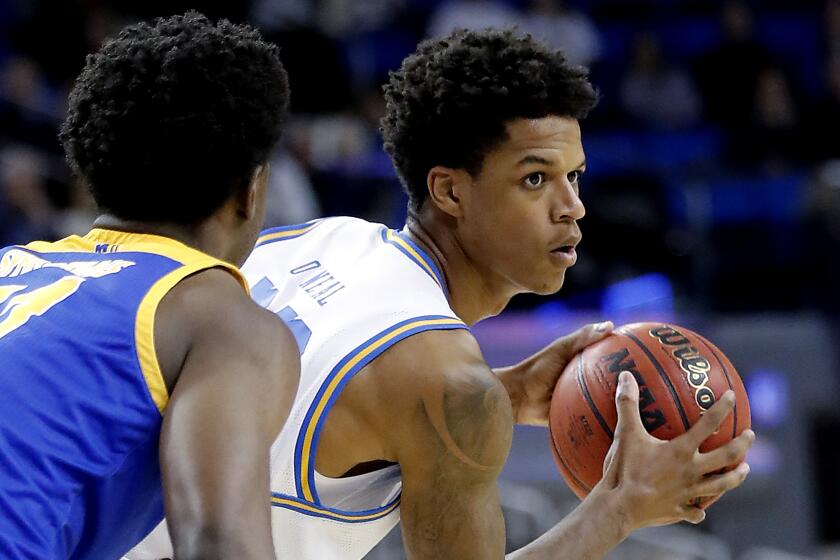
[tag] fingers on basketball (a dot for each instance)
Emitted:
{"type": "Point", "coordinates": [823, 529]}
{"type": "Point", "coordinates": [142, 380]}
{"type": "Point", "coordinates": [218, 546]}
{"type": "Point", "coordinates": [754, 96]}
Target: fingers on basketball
{"type": "Point", "coordinates": [627, 405]}
{"type": "Point", "coordinates": [710, 421]}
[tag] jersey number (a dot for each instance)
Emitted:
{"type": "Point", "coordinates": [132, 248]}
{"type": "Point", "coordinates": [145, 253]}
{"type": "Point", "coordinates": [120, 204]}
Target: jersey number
{"type": "Point", "coordinates": [17, 308]}
{"type": "Point", "coordinates": [299, 329]}
{"type": "Point", "coordinates": [263, 292]}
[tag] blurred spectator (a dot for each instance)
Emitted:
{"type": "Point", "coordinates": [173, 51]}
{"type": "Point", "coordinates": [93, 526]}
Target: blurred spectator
{"type": "Point", "coordinates": [372, 36]}
{"type": "Point", "coordinates": [470, 14]}
{"type": "Point", "coordinates": [572, 32]}
{"type": "Point", "coordinates": [773, 137]}
{"type": "Point", "coordinates": [283, 15]}
{"type": "Point", "coordinates": [337, 52]}
{"type": "Point", "coordinates": [29, 111]}
{"type": "Point", "coordinates": [25, 209]}
{"type": "Point", "coordinates": [339, 18]}
{"type": "Point", "coordinates": [728, 75]}
{"type": "Point", "coordinates": [333, 142]}
{"type": "Point", "coordinates": [291, 197]}
{"type": "Point", "coordinates": [654, 93]}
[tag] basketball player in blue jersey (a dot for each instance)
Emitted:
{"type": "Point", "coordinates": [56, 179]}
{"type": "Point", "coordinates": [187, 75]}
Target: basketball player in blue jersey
{"type": "Point", "coordinates": [136, 374]}
{"type": "Point", "coordinates": [398, 416]}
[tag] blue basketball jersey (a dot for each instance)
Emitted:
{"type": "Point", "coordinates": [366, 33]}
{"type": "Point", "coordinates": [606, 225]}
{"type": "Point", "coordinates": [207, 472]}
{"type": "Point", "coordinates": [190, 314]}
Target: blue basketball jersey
{"type": "Point", "coordinates": [81, 391]}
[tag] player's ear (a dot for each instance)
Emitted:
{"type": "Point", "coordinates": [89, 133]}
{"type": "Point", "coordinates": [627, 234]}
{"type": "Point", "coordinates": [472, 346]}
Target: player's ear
{"type": "Point", "coordinates": [254, 194]}
{"type": "Point", "coordinates": [448, 189]}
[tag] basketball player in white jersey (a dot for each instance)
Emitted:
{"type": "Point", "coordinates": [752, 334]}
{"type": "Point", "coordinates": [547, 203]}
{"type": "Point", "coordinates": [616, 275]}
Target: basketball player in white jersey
{"type": "Point", "coordinates": [398, 417]}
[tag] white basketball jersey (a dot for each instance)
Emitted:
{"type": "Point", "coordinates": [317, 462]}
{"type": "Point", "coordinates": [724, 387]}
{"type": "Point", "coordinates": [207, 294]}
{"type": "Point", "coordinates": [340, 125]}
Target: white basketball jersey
{"type": "Point", "coordinates": [348, 290]}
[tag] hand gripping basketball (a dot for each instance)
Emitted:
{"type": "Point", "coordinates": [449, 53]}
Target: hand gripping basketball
{"type": "Point", "coordinates": [680, 377]}
{"type": "Point", "coordinates": [657, 480]}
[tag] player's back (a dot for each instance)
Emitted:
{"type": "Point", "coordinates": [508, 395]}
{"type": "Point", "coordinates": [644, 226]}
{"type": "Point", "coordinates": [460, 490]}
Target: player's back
{"type": "Point", "coordinates": [81, 392]}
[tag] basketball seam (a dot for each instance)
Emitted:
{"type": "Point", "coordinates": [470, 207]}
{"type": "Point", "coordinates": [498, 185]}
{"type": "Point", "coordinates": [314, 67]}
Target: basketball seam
{"type": "Point", "coordinates": [728, 382]}
{"type": "Point", "coordinates": [565, 464]}
{"type": "Point", "coordinates": [588, 397]}
{"type": "Point", "coordinates": [664, 377]}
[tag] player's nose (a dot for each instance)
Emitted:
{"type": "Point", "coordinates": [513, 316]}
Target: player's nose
{"type": "Point", "coordinates": [567, 204]}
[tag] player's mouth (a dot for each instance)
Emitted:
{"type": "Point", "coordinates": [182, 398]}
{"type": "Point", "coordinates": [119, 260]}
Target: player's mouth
{"type": "Point", "coordinates": [562, 249]}
{"type": "Point", "coordinates": [565, 255]}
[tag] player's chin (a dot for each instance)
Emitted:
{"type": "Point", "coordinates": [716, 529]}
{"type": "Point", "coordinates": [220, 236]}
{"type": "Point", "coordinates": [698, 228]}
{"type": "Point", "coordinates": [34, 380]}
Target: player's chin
{"type": "Point", "coordinates": [549, 283]}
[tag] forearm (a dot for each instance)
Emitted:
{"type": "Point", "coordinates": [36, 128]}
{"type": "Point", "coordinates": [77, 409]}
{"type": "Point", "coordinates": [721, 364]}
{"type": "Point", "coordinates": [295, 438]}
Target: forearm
{"type": "Point", "coordinates": [221, 549]}
{"type": "Point", "coordinates": [594, 528]}
{"type": "Point", "coordinates": [529, 401]}
{"type": "Point", "coordinates": [201, 529]}
{"type": "Point", "coordinates": [212, 545]}
{"type": "Point", "coordinates": [531, 382]}
{"type": "Point", "coordinates": [511, 378]}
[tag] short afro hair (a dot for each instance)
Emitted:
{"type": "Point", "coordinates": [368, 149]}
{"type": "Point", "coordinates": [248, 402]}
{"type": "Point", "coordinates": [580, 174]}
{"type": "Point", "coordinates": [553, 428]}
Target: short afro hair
{"type": "Point", "coordinates": [168, 120]}
{"type": "Point", "coordinates": [450, 101]}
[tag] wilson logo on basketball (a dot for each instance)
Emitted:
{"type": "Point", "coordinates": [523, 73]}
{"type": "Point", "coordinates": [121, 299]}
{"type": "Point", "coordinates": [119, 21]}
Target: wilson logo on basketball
{"type": "Point", "coordinates": [695, 366]}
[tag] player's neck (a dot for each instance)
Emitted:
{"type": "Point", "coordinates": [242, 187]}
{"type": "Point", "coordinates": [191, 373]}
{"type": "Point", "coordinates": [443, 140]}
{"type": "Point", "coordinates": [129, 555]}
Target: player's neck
{"type": "Point", "coordinates": [201, 237]}
{"type": "Point", "coordinates": [474, 294]}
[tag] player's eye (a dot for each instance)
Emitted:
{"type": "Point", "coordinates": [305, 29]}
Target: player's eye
{"type": "Point", "coordinates": [574, 177]}
{"type": "Point", "coordinates": [535, 180]}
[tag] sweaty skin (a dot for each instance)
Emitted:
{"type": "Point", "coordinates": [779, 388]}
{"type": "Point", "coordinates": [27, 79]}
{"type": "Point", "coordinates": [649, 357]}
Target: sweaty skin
{"type": "Point", "coordinates": [433, 405]}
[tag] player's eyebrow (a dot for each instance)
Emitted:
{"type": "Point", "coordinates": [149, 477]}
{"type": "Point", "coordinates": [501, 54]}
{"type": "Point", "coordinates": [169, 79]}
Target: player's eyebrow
{"type": "Point", "coordinates": [531, 158]}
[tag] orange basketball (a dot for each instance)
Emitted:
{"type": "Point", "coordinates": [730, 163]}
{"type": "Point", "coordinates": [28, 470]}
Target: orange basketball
{"type": "Point", "coordinates": [680, 375]}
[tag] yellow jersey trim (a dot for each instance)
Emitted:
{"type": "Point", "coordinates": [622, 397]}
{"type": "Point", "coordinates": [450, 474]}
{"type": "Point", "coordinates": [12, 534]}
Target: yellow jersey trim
{"type": "Point", "coordinates": [144, 332]}
{"type": "Point", "coordinates": [100, 240]}
{"type": "Point", "coordinates": [72, 244]}
{"type": "Point", "coordinates": [285, 232]}
{"type": "Point", "coordinates": [396, 239]}
{"type": "Point", "coordinates": [123, 242]}
{"type": "Point", "coordinates": [300, 506]}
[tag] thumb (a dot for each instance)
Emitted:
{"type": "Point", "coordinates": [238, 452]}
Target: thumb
{"type": "Point", "coordinates": [627, 404]}
{"type": "Point", "coordinates": [586, 335]}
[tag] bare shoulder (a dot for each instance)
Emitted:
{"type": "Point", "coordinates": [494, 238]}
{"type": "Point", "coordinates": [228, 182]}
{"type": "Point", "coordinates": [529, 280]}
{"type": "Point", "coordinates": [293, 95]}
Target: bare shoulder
{"type": "Point", "coordinates": [211, 310]}
{"type": "Point", "coordinates": [449, 401]}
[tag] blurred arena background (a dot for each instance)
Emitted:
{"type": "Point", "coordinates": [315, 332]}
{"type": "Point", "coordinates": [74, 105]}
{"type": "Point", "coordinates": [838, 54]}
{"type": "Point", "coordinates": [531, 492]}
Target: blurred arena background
{"type": "Point", "coordinates": [713, 198]}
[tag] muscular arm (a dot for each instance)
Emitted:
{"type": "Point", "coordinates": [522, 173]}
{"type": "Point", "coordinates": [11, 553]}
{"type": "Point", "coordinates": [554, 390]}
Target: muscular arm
{"type": "Point", "coordinates": [454, 436]}
{"type": "Point", "coordinates": [594, 528]}
{"type": "Point", "coordinates": [451, 450]}
{"type": "Point", "coordinates": [234, 382]}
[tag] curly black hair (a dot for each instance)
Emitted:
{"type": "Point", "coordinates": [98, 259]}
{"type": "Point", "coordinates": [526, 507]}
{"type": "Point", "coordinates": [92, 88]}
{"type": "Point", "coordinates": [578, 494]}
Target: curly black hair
{"type": "Point", "coordinates": [449, 102]}
{"type": "Point", "coordinates": [167, 120]}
